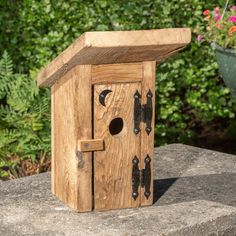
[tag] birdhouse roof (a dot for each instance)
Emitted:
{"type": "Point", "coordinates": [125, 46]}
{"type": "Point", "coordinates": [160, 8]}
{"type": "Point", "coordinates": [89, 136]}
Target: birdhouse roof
{"type": "Point", "coordinates": [115, 47]}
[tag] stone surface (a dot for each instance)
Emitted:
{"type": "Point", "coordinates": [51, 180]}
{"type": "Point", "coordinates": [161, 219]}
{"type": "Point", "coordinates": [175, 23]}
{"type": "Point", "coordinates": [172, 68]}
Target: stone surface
{"type": "Point", "coordinates": [195, 194]}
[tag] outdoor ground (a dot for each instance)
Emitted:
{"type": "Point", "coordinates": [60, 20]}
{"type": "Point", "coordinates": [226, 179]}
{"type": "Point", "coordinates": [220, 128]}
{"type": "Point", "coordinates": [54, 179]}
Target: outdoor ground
{"type": "Point", "coordinates": [194, 194]}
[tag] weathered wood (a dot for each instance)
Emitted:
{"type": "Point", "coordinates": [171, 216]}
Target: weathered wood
{"type": "Point", "coordinates": [117, 73]}
{"type": "Point", "coordinates": [90, 145]}
{"type": "Point", "coordinates": [91, 157]}
{"type": "Point", "coordinates": [113, 166]}
{"type": "Point", "coordinates": [116, 47]}
{"type": "Point", "coordinates": [72, 184]}
{"type": "Point", "coordinates": [84, 131]}
{"type": "Point", "coordinates": [64, 167]}
{"type": "Point", "coordinates": [147, 141]}
{"type": "Point", "coordinates": [53, 161]}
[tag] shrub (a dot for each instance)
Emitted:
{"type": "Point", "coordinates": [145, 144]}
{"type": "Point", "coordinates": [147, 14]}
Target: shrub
{"type": "Point", "coordinates": [24, 119]}
{"type": "Point", "coordinates": [189, 92]}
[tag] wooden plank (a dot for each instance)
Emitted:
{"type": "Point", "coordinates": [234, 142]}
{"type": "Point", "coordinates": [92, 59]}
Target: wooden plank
{"type": "Point", "coordinates": [118, 73]}
{"type": "Point", "coordinates": [147, 141]}
{"type": "Point", "coordinates": [84, 131]}
{"type": "Point", "coordinates": [64, 141]}
{"type": "Point", "coordinates": [73, 185]}
{"type": "Point", "coordinates": [116, 47]}
{"type": "Point", "coordinates": [90, 145]}
{"type": "Point", "coordinates": [53, 162]}
{"type": "Point", "coordinates": [113, 166]}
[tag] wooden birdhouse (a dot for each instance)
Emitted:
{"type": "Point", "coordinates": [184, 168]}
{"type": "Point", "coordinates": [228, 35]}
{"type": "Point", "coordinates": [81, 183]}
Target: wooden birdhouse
{"type": "Point", "coordinates": [102, 105]}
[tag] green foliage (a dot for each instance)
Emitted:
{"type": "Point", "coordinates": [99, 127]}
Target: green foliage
{"type": "Point", "coordinates": [42, 29]}
{"type": "Point", "coordinates": [189, 91]}
{"type": "Point", "coordinates": [24, 118]}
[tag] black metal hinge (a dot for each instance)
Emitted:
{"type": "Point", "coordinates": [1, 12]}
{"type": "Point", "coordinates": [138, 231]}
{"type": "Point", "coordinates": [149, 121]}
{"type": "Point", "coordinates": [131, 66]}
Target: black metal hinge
{"type": "Point", "coordinates": [141, 177]}
{"type": "Point", "coordinates": [143, 112]}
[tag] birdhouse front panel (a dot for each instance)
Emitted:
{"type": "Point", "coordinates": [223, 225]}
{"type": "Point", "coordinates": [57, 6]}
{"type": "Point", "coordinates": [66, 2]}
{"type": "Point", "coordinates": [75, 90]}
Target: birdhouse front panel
{"type": "Point", "coordinates": [114, 123]}
{"type": "Point", "coordinates": [123, 117]}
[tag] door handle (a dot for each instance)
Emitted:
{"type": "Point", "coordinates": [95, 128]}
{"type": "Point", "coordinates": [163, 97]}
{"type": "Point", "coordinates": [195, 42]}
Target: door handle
{"type": "Point", "coordinates": [90, 145]}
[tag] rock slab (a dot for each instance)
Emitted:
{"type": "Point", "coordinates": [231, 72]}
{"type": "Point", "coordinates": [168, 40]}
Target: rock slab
{"type": "Point", "coordinates": [194, 194]}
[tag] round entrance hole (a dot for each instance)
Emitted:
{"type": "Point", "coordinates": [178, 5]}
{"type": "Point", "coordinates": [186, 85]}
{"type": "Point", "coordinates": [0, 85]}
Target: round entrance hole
{"type": "Point", "coordinates": [116, 126]}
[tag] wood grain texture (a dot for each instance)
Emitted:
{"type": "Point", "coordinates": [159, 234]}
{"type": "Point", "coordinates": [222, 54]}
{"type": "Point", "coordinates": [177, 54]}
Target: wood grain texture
{"type": "Point", "coordinates": [84, 131]}
{"type": "Point", "coordinates": [147, 141]}
{"type": "Point", "coordinates": [65, 172]}
{"type": "Point", "coordinates": [72, 185]}
{"type": "Point", "coordinates": [117, 73]}
{"type": "Point", "coordinates": [113, 166]}
{"type": "Point", "coordinates": [53, 161]}
{"type": "Point", "coordinates": [116, 47]}
{"type": "Point", "coordinates": [90, 145]}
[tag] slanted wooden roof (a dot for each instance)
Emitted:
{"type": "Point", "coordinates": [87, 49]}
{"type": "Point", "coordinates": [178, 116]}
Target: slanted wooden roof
{"type": "Point", "coordinates": [116, 47]}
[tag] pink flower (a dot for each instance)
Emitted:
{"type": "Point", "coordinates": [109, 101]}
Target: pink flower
{"type": "Point", "coordinates": [217, 10]}
{"type": "Point", "coordinates": [233, 8]}
{"type": "Point", "coordinates": [232, 19]}
{"type": "Point", "coordinates": [217, 15]}
{"type": "Point", "coordinates": [206, 13]}
{"type": "Point", "coordinates": [199, 38]}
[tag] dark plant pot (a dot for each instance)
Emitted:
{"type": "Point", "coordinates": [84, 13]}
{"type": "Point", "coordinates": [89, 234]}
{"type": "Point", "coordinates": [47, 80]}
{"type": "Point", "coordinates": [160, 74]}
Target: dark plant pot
{"type": "Point", "coordinates": [226, 59]}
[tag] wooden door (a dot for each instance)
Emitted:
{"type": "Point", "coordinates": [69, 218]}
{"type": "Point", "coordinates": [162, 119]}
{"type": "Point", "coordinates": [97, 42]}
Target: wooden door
{"type": "Point", "coordinates": [113, 122]}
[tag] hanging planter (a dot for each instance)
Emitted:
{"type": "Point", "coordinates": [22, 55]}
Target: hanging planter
{"type": "Point", "coordinates": [221, 29]}
{"type": "Point", "coordinates": [226, 59]}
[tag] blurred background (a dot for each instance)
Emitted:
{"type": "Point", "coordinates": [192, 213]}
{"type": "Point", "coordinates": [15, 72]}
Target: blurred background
{"type": "Point", "coordinates": [193, 106]}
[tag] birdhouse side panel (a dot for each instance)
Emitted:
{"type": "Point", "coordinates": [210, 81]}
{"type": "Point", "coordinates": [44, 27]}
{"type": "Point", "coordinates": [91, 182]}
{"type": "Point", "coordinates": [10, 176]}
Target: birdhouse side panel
{"type": "Point", "coordinates": [71, 121]}
{"type": "Point", "coordinates": [147, 136]}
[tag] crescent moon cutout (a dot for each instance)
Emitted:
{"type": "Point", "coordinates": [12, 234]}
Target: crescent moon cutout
{"type": "Point", "coordinates": [102, 96]}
